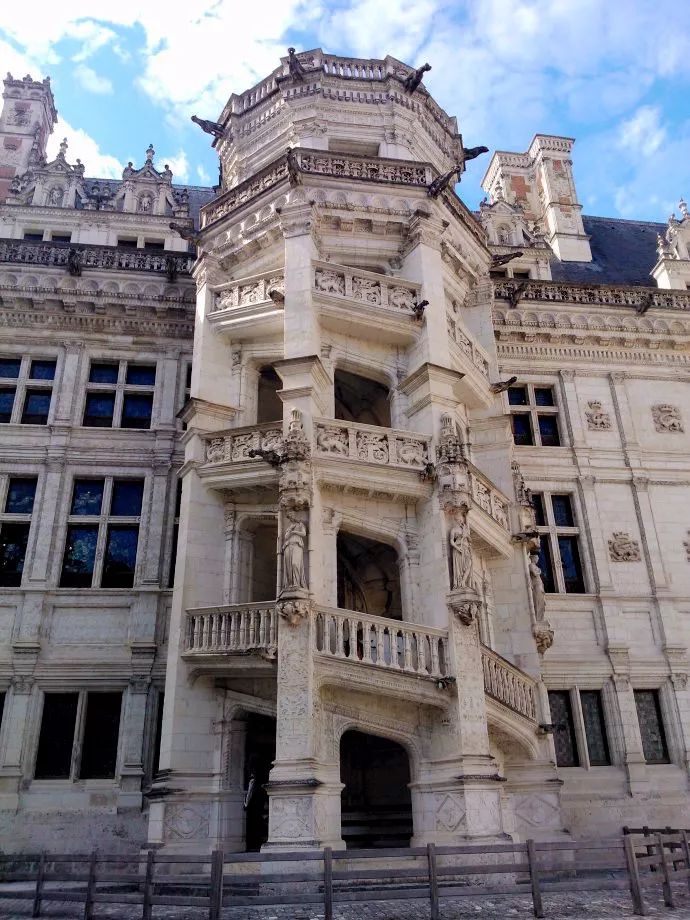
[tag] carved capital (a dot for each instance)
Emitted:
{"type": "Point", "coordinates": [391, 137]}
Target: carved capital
{"type": "Point", "coordinates": [139, 685]}
{"type": "Point", "coordinates": [293, 611]}
{"type": "Point", "coordinates": [22, 684]}
{"type": "Point", "coordinates": [543, 636]}
{"type": "Point", "coordinates": [465, 605]}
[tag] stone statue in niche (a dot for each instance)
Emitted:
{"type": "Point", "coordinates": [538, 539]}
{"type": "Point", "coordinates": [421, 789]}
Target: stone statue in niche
{"type": "Point", "coordinates": [537, 586]}
{"type": "Point", "coordinates": [461, 555]}
{"type": "Point", "coordinates": [294, 543]}
{"type": "Point", "coordinates": [55, 197]}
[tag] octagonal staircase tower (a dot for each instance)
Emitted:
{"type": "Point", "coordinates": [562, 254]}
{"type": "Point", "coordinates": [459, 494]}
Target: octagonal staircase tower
{"type": "Point", "coordinates": [352, 548]}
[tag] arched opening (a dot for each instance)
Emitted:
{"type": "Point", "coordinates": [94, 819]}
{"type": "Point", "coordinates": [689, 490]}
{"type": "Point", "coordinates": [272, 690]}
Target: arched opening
{"type": "Point", "coordinates": [376, 805]}
{"type": "Point", "coordinates": [368, 576]}
{"type": "Point", "coordinates": [259, 754]}
{"type": "Point", "coordinates": [269, 406]}
{"type": "Point", "coordinates": [258, 562]}
{"type": "Point", "coordinates": [358, 399]}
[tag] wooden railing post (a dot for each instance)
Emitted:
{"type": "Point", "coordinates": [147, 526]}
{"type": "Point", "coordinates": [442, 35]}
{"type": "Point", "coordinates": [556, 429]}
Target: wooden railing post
{"type": "Point", "coordinates": [634, 876]}
{"type": "Point", "coordinates": [328, 883]}
{"type": "Point", "coordinates": [216, 895]}
{"type": "Point", "coordinates": [147, 907]}
{"type": "Point", "coordinates": [40, 874]}
{"type": "Point", "coordinates": [90, 888]}
{"type": "Point", "coordinates": [666, 886]}
{"type": "Point", "coordinates": [433, 881]}
{"type": "Point", "coordinates": [534, 879]}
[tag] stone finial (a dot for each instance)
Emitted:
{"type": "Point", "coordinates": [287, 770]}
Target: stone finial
{"type": "Point", "coordinates": [150, 154]}
{"type": "Point", "coordinates": [63, 147]}
{"type": "Point", "coordinates": [683, 208]}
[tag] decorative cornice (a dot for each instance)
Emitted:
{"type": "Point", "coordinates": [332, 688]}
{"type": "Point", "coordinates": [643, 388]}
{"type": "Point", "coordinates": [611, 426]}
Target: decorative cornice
{"type": "Point", "coordinates": [608, 295]}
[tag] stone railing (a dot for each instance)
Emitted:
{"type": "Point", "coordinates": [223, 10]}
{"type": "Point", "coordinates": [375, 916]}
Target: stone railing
{"type": "Point", "coordinates": [386, 446]}
{"type": "Point", "coordinates": [244, 192]}
{"type": "Point", "coordinates": [235, 443]}
{"type": "Point", "coordinates": [383, 643]}
{"type": "Point", "coordinates": [30, 252]}
{"type": "Point", "coordinates": [476, 355]}
{"type": "Point", "coordinates": [487, 496]}
{"type": "Point", "coordinates": [247, 291]}
{"type": "Point", "coordinates": [366, 287]}
{"type": "Point", "coordinates": [509, 685]}
{"type": "Point", "coordinates": [586, 295]}
{"type": "Point", "coordinates": [354, 68]}
{"type": "Point", "coordinates": [372, 169]}
{"type": "Point", "coordinates": [240, 628]}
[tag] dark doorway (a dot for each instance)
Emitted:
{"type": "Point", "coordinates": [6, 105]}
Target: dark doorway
{"type": "Point", "coordinates": [264, 562]}
{"type": "Point", "coordinates": [368, 576]}
{"type": "Point", "coordinates": [260, 752]}
{"type": "Point", "coordinates": [358, 399]}
{"type": "Point", "coordinates": [376, 802]}
{"type": "Point", "coordinates": [269, 405]}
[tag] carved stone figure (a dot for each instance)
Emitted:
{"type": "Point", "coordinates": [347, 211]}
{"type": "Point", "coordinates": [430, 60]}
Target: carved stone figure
{"type": "Point", "coordinates": [294, 541]}
{"type": "Point", "coordinates": [412, 80]}
{"type": "Point", "coordinates": [667, 418]}
{"type": "Point", "coordinates": [401, 297]}
{"type": "Point", "coordinates": [622, 548]}
{"type": "Point", "coordinates": [537, 586]}
{"type": "Point", "coordinates": [471, 153]}
{"type": "Point", "coordinates": [504, 260]}
{"type": "Point", "coordinates": [543, 636]}
{"type": "Point", "coordinates": [367, 290]}
{"type": "Point", "coordinates": [412, 452]}
{"type": "Point", "coordinates": [329, 282]}
{"type": "Point", "coordinates": [145, 204]}
{"type": "Point", "coordinates": [187, 233]}
{"type": "Point", "coordinates": [441, 183]}
{"type": "Point", "coordinates": [55, 197]}
{"type": "Point", "coordinates": [209, 127]}
{"type": "Point", "coordinates": [502, 385]}
{"type": "Point", "coordinates": [293, 167]}
{"type": "Point", "coordinates": [293, 611]}
{"type": "Point", "coordinates": [332, 440]}
{"type": "Point", "coordinates": [74, 261]}
{"type": "Point", "coordinates": [461, 555]}
{"type": "Point", "coordinates": [297, 72]}
{"type": "Point", "coordinates": [597, 419]}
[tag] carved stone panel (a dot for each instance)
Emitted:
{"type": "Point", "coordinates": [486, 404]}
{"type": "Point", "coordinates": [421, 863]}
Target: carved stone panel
{"type": "Point", "coordinates": [667, 418]}
{"type": "Point", "coordinates": [597, 418]}
{"type": "Point", "coordinates": [622, 548]}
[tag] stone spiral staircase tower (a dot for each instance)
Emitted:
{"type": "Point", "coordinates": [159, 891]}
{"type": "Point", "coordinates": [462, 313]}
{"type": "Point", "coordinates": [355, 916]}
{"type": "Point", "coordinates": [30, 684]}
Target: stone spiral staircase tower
{"type": "Point", "coordinates": [331, 269]}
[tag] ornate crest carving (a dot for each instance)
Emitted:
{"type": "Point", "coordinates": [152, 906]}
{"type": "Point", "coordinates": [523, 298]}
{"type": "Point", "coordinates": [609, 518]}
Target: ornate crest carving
{"type": "Point", "coordinates": [597, 419]}
{"type": "Point", "coordinates": [667, 418]}
{"type": "Point", "coordinates": [622, 548]}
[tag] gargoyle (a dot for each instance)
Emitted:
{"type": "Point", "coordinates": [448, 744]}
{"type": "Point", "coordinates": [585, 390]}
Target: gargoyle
{"type": "Point", "coordinates": [502, 385]}
{"type": "Point", "coordinates": [187, 233]}
{"type": "Point", "coordinates": [645, 304]}
{"type": "Point", "coordinates": [438, 185]}
{"type": "Point", "coordinates": [470, 153]}
{"type": "Point", "coordinates": [412, 80]}
{"type": "Point", "coordinates": [209, 127]}
{"type": "Point", "coordinates": [503, 260]}
{"type": "Point", "coordinates": [515, 294]}
{"type": "Point", "coordinates": [297, 71]}
{"type": "Point", "coordinates": [271, 457]}
{"type": "Point", "coordinates": [418, 308]}
{"type": "Point", "coordinates": [293, 167]}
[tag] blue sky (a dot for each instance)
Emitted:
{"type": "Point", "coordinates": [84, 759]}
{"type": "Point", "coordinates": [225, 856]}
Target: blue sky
{"type": "Point", "coordinates": [615, 75]}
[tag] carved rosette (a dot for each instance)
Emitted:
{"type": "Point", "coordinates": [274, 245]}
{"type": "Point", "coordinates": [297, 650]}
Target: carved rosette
{"type": "Point", "coordinates": [293, 611]}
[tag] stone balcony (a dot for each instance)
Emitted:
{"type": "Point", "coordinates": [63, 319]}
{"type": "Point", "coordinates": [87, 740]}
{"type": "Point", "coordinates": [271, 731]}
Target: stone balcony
{"type": "Point", "coordinates": [249, 307]}
{"type": "Point", "coordinates": [234, 637]}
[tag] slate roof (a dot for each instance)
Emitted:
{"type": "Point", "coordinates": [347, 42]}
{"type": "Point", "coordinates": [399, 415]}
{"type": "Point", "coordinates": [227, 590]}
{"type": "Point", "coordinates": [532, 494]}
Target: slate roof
{"type": "Point", "coordinates": [623, 252]}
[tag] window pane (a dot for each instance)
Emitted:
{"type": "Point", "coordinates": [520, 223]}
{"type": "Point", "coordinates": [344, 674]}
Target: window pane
{"type": "Point", "coordinates": [127, 495]}
{"type": "Point", "coordinates": [142, 375]}
{"type": "Point", "coordinates": [36, 407]}
{"type": "Point", "coordinates": [543, 396]}
{"type": "Point", "coordinates": [35, 237]}
{"type": "Point", "coordinates": [595, 728]}
{"type": "Point", "coordinates": [570, 563]}
{"type": "Point", "coordinates": [651, 726]}
{"type": "Point", "coordinates": [564, 730]}
{"type": "Point", "coordinates": [13, 541]}
{"type": "Point", "coordinates": [98, 412]}
{"type": "Point", "coordinates": [136, 410]}
{"type": "Point", "coordinates": [538, 505]}
{"type": "Point", "coordinates": [173, 555]}
{"type": "Point", "coordinates": [9, 367]}
{"type": "Point", "coordinates": [120, 556]}
{"type": "Point", "coordinates": [103, 373]}
{"type": "Point", "coordinates": [80, 553]}
{"type": "Point", "coordinates": [54, 758]}
{"type": "Point", "coordinates": [548, 429]}
{"type": "Point", "coordinates": [101, 732]}
{"type": "Point", "coordinates": [6, 403]}
{"type": "Point", "coordinates": [517, 396]}
{"type": "Point", "coordinates": [522, 428]}
{"type": "Point", "coordinates": [87, 496]}
{"type": "Point", "coordinates": [546, 564]}
{"type": "Point", "coordinates": [20, 496]}
{"type": "Point", "coordinates": [562, 511]}
{"type": "Point", "coordinates": [42, 370]}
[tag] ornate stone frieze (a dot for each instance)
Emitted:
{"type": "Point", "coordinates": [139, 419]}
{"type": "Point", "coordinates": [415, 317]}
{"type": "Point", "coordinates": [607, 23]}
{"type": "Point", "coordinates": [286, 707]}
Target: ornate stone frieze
{"type": "Point", "coordinates": [622, 548]}
{"type": "Point", "coordinates": [270, 287]}
{"type": "Point", "coordinates": [597, 418]}
{"type": "Point", "coordinates": [236, 446]}
{"type": "Point", "coordinates": [468, 347]}
{"type": "Point", "coordinates": [667, 418]}
{"type": "Point", "coordinates": [96, 257]}
{"type": "Point", "coordinates": [370, 289]}
{"type": "Point", "coordinates": [604, 295]}
{"type": "Point", "coordinates": [245, 192]}
{"type": "Point", "coordinates": [351, 166]}
{"type": "Point", "coordinates": [361, 442]}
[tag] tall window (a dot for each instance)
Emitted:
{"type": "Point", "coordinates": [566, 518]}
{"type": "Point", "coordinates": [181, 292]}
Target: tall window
{"type": "Point", "coordinates": [15, 523]}
{"type": "Point", "coordinates": [119, 394]}
{"type": "Point", "coordinates": [534, 415]}
{"type": "Point", "coordinates": [559, 554]}
{"type": "Point", "coordinates": [176, 530]}
{"type": "Point", "coordinates": [651, 726]}
{"type": "Point", "coordinates": [102, 533]}
{"type": "Point", "coordinates": [580, 736]}
{"type": "Point", "coordinates": [26, 389]}
{"type": "Point", "coordinates": [79, 736]}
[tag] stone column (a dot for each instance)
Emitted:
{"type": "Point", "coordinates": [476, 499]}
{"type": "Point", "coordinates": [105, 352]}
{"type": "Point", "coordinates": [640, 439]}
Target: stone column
{"type": "Point", "coordinates": [232, 830]}
{"type": "Point", "coordinates": [67, 386]}
{"type": "Point", "coordinates": [16, 725]}
{"type": "Point", "coordinates": [301, 320]}
{"type": "Point", "coordinates": [633, 754]}
{"type": "Point", "coordinates": [132, 732]}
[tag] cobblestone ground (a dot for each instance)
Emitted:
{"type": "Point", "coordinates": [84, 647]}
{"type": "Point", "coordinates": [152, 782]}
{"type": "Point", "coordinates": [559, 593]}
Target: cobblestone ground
{"type": "Point", "coordinates": [578, 906]}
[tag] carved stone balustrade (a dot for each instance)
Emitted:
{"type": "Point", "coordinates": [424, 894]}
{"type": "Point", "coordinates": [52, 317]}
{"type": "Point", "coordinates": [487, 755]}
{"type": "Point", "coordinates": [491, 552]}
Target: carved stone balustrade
{"type": "Point", "coordinates": [55, 255]}
{"type": "Point", "coordinates": [242, 628]}
{"type": "Point", "coordinates": [368, 288]}
{"type": "Point", "coordinates": [250, 306]}
{"type": "Point", "coordinates": [489, 498]}
{"type": "Point", "coordinates": [340, 440]}
{"type": "Point", "coordinates": [509, 685]}
{"type": "Point", "coordinates": [371, 169]}
{"type": "Point", "coordinates": [234, 444]}
{"type": "Point", "coordinates": [594, 294]}
{"type": "Point", "coordinates": [269, 287]}
{"type": "Point", "coordinates": [393, 645]}
{"type": "Point", "coordinates": [474, 352]}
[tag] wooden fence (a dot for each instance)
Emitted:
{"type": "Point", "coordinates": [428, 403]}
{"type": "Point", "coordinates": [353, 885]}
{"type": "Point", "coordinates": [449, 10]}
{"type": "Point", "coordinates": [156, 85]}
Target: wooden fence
{"type": "Point", "coordinates": [326, 878]}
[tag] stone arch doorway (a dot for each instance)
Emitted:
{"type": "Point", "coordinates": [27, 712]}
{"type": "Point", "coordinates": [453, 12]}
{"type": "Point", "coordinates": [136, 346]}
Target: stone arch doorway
{"type": "Point", "coordinates": [368, 576]}
{"type": "Point", "coordinates": [376, 805]}
{"type": "Point", "coordinates": [259, 754]}
{"type": "Point", "coordinates": [269, 406]}
{"type": "Point", "coordinates": [360, 399]}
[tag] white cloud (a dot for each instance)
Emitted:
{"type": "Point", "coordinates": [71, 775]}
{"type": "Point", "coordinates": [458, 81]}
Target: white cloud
{"type": "Point", "coordinates": [82, 146]}
{"type": "Point", "coordinates": [203, 175]}
{"type": "Point", "coordinates": [92, 35]}
{"type": "Point", "coordinates": [643, 133]}
{"type": "Point", "coordinates": [179, 164]}
{"type": "Point", "coordinates": [91, 81]}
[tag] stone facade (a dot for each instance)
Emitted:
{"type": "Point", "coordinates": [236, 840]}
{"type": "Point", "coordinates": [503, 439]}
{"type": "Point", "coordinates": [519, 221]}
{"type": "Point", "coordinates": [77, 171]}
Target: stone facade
{"type": "Point", "coordinates": [379, 531]}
